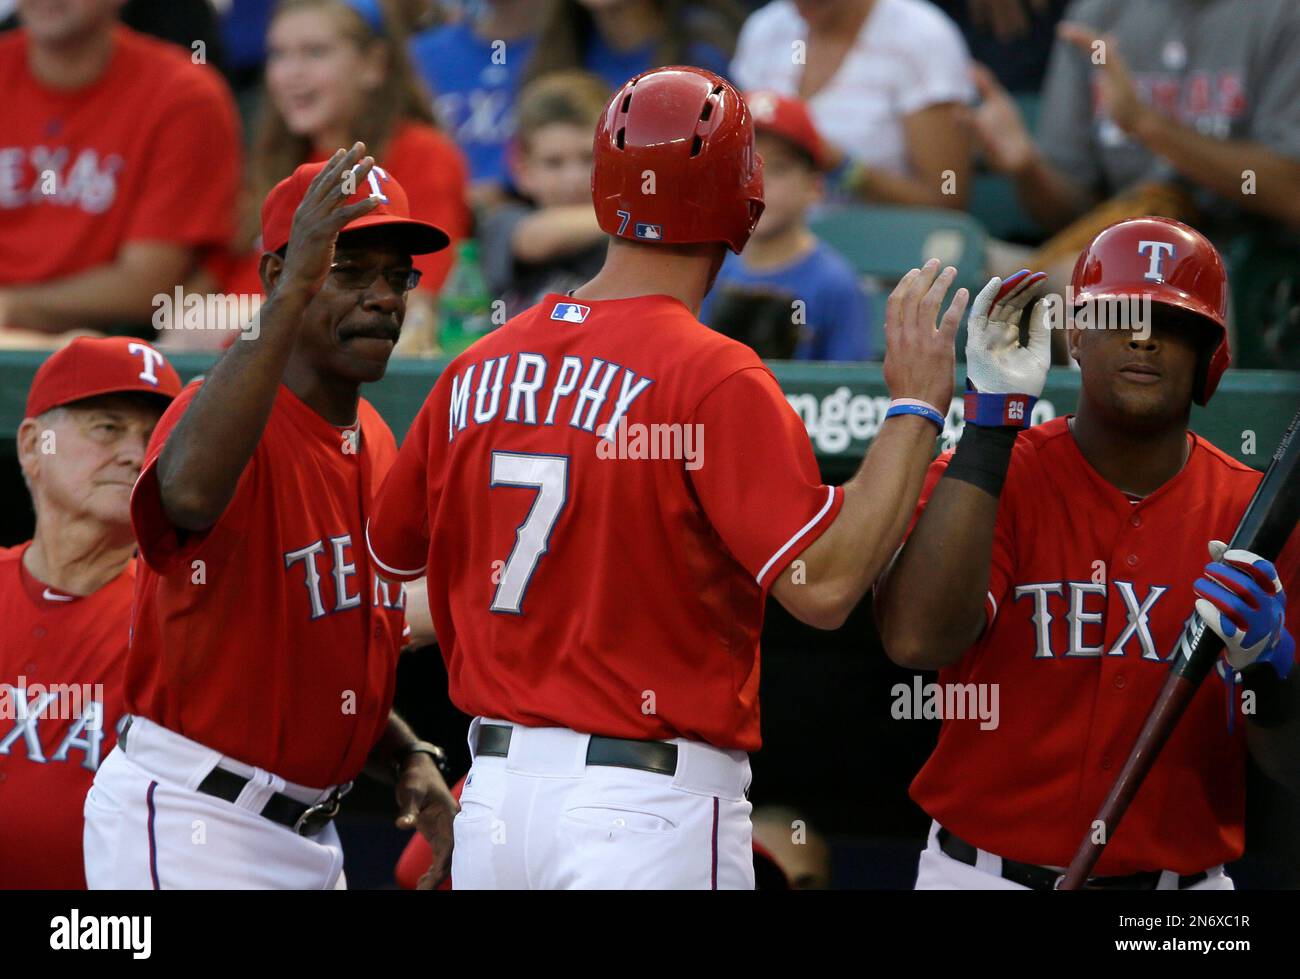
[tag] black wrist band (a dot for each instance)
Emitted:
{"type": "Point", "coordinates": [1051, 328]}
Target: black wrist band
{"type": "Point", "coordinates": [419, 748]}
{"type": "Point", "coordinates": [983, 457]}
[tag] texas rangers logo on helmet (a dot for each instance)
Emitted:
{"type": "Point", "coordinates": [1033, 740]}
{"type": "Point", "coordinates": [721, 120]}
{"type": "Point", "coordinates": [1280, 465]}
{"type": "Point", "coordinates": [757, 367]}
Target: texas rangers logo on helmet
{"type": "Point", "coordinates": [1158, 250]}
{"type": "Point", "coordinates": [570, 312]}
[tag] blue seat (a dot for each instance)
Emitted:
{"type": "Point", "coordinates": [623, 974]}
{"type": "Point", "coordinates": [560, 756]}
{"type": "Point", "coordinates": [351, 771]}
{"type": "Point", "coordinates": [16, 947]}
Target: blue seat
{"type": "Point", "coordinates": [883, 242]}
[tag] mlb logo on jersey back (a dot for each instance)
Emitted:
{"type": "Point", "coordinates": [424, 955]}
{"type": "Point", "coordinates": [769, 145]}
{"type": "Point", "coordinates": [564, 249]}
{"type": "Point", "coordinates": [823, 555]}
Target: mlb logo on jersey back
{"type": "Point", "coordinates": [570, 312]}
{"type": "Point", "coordinates": [652, 231]}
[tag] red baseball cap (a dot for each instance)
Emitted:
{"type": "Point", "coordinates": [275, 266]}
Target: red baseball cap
{"type": "Point", "coordinates": [788, 118]}
{"type": "Point", "coordinates": [394, 210]}
{"type": "Point", "coordinates": [89, 366]}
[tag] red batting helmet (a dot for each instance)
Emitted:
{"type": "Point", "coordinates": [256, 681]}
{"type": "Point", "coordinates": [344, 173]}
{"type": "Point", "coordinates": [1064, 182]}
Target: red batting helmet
{"type": "Point", "coordinates": [675, 161]}
{"type": "Point", "coordinates": [1172, 264]}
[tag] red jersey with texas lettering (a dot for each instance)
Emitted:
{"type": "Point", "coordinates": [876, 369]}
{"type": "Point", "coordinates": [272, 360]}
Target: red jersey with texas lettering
{"type": "Point", "coordinates": [603, 492]}
{"type": "Point", "coordinates": [268, 637]}
{"type": "Point", "coordinates": [61, 659]}
{"type": "Point", "coordinates": [149, 151]}
{"type": "Point", "coordinates": [1088, 595]}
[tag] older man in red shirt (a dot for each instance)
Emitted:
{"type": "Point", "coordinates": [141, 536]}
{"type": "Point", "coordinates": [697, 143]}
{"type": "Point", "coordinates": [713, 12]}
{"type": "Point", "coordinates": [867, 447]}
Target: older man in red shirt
{"type": "Point", "coordinates": [65, 596]}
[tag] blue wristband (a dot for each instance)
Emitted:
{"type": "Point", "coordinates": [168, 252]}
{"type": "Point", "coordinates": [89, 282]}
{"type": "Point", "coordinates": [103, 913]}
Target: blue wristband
{"type": "Point", "coordinates": [929, 414]}
{"type": "Point", "coordinates": [997, 410]}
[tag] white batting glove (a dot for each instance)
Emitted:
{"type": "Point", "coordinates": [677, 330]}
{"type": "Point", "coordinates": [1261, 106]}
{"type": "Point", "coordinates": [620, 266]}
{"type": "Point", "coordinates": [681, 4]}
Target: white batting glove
{"type": "Point", "coordinates": [996, 363]}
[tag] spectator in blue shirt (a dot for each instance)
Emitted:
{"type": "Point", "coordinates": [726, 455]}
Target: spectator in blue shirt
{"type": "Point", "coordinates": [617, 39]}
{"type": "Point", "coordinates": [474, 67]}
{"type": "Point", "coordinates": [789, 295]}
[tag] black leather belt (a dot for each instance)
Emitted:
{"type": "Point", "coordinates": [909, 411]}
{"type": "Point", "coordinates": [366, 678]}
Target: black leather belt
{"type": "Point", "coordinates": [647, 756]}
{"type": "Point", "coordinates": [303, 819]}
{"type": "Point", "coordinates": [1044, 878]}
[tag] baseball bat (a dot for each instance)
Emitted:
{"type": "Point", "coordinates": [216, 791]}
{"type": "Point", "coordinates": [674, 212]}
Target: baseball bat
{"type": "Point", "coordinates": [1269, 519]}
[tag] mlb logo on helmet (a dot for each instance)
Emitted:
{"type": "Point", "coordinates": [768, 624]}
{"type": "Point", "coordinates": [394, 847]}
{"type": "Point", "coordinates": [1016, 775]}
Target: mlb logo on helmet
{"type": "Point", "coordinates": [651, 231]}
{"type": "Point", "coordinates": [570, 312]}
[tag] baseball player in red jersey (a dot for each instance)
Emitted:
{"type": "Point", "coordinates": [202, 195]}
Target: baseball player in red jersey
{"type": "Point", "coordinates": [65, 596]}
{"type": "Point", "coordinates": [1058, 566]}
{"type": "Point", "coordinates": [604, 492]}
{"type": "Point", "coordinates": [264, 645]}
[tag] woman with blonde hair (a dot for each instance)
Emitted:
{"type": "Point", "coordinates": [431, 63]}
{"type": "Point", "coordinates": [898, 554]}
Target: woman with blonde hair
{"type": "Point", "coordinates": [337, 71]}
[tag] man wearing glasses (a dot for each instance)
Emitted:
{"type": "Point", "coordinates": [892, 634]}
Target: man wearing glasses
{"type": "Point", "coordinates": [264, 646]}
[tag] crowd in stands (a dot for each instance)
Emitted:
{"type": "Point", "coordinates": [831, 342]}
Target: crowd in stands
{"type": "Point", "coordinates": [138, 139]}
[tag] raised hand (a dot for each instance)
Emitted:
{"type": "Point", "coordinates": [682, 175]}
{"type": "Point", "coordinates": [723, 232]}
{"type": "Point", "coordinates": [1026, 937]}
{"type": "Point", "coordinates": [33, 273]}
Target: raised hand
{"type": "Point", "coordinates": [997, 126]}
{"type": "Point", "coordinates": [323, 213]}
{"type": "Point", "coordinates": [996, 363]}
{"type": "Point", "coordinates": [1118, 92]}
{"type": "Point", "coordinates": [920, 349]}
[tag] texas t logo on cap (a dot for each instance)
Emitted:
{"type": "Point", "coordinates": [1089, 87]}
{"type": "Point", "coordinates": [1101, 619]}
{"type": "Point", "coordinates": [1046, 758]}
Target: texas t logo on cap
{"type": "Point", "coordinates": [152, 358]}
{"type": "Point", "coordinates": [392, 211]}
{"type": "Point", "coordinates": [91, 366]}
{"type": "Point", "coordinates": [1157, 250]}
{"type": "Point", "coordinates": [570, 312]}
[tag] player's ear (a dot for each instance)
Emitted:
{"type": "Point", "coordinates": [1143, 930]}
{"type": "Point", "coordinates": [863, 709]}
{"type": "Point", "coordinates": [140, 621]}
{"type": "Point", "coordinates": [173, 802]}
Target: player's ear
{"type": "Point", "coordinates": [29, 436]}
{"type": "Point", "coordinates": [1073, 338]}
{"type": "Point", "coordinates": [269, 270]}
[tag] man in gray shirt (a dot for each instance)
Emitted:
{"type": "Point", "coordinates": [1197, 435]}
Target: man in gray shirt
{"type": "Point", "coordinates": [1203, 95]}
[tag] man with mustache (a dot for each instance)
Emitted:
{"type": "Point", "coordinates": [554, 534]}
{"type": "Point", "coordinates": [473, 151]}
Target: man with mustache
{"type": "Point", "coordinates": [264, 644]}
{"type": "Point", "coordinates": [1061, 564]}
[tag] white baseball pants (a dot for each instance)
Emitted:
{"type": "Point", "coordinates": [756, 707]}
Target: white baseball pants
{"type": "Point", "coordinates": [542, 819]}
{"type": "Point", "coordinates": [147, 826]}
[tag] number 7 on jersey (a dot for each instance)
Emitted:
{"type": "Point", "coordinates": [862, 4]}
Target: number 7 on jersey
{"type": "Point", "coordinates": [549, 476]}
